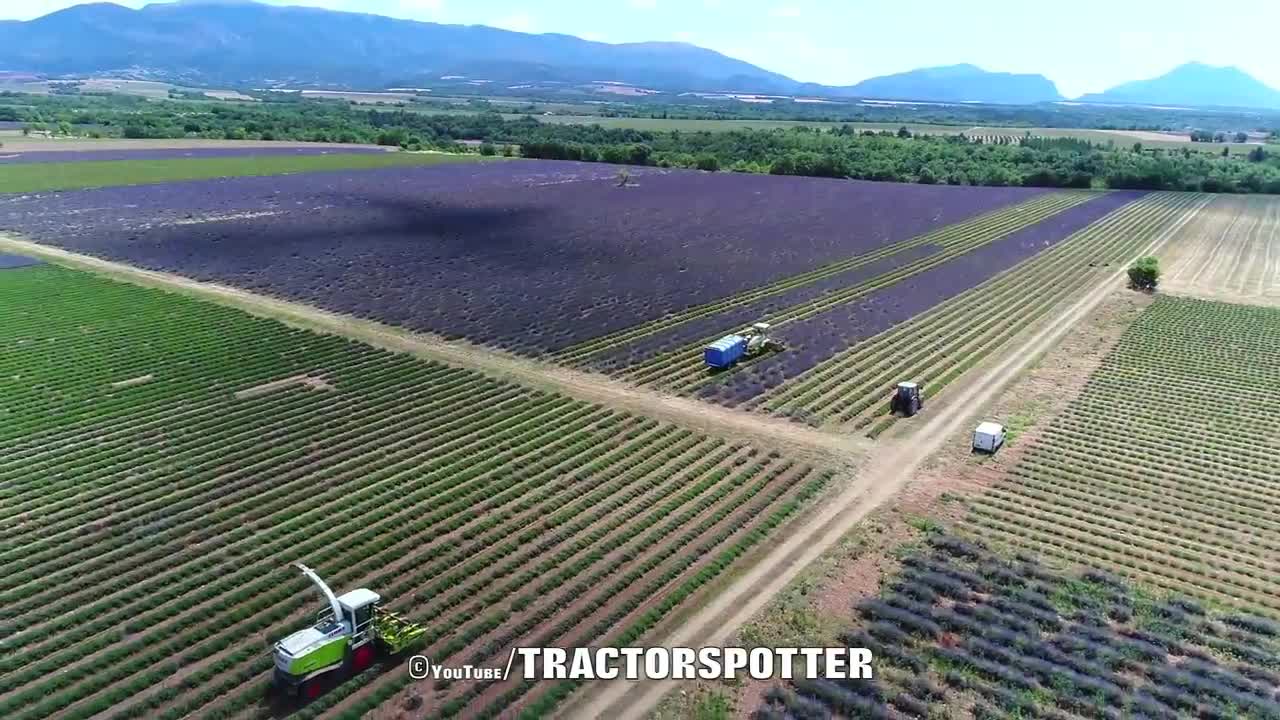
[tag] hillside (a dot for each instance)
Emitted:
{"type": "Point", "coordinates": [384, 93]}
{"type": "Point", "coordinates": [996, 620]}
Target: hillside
{"type": "Point", "coordinates": [958, 83]}
{"type": "Point", "coordinates": [1194, 84]}
{"type": "Point", "coordinates": [237, 43]}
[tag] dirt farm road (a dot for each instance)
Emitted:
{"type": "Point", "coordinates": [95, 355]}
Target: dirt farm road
{"type": "Point", "coordinates": [879, 478]}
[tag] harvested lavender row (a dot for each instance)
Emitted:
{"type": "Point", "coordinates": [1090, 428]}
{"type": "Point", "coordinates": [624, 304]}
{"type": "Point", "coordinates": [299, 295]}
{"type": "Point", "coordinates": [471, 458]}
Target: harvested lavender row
{"type": "Point", "coordinates": [676, 337]}
{"type": "Point", "coordinates": [26, 157]}
{"type": "Point", "coordinates": [812, 341]}
{"type": "Point", "coordinates": [532, 256]}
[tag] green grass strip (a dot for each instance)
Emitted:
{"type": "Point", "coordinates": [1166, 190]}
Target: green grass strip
{"type": "Point", "coordinates": [38, 177]}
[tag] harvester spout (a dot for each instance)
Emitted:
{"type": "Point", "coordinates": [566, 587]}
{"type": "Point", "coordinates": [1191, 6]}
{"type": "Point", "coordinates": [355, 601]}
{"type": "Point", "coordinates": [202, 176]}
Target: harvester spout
{"type": "Point", "coordinates": [328, 594]}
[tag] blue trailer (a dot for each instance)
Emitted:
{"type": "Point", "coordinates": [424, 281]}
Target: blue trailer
{"type": "Point", "coordinates": [730, 349]}
{"type": "Point", "coordinates": [725, 352]}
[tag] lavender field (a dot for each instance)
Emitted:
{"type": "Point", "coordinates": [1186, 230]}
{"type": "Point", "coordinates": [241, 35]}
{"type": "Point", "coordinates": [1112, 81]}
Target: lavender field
{"type": "Point", "coordinates": [531, 256]}
{"type": "Point", "coordinates": [26, 157]}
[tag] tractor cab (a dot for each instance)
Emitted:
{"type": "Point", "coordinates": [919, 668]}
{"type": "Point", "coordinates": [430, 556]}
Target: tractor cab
{"type": "Point", "coordinates": [907, 399]}
{"type": "Point", "coordinates": [757, 337]}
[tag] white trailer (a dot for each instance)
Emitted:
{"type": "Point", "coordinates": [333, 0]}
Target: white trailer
{"type": "Point", "coordinates": [988, 437]}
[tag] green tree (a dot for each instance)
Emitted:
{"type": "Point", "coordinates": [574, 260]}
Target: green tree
{"type": "Point", "coordinates": [1144, 273]}
{"type": "Point", "coordinates": [1242, 137]}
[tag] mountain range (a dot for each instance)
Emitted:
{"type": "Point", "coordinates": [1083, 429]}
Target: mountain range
{"type": "Point", "coordinates": [239, 43]}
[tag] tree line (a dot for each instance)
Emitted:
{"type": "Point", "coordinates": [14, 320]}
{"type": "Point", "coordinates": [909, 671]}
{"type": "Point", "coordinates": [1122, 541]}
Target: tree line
{"type": "Point", "coordinates": [844, 152]}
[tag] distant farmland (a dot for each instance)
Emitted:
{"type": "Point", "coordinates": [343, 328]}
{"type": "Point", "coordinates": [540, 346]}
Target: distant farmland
{"type": "Point", "coordinates": [688, 125]}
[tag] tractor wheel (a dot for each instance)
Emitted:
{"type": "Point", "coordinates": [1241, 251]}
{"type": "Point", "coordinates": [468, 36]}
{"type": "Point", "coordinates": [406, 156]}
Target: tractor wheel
{"type": "Point", "coordinates": [362, 657]}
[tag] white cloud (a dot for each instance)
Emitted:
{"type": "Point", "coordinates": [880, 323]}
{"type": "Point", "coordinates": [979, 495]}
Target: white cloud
{"type": "Point", "coordinates": [785, 11]}
{"type": "Point", "coordinates": [592, 36]}
{"type": "Point", "coordinates": [520, 22]}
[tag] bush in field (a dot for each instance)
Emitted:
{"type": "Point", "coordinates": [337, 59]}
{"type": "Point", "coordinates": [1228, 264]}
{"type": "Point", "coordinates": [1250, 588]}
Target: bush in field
{"type": "Point", "coordinates": [709, 163]}
{"type": "Point", "coordinates": [1144, 274]}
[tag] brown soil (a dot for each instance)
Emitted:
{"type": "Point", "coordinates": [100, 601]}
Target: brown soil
{"type": "Point", "coordinates": [1231, 252]}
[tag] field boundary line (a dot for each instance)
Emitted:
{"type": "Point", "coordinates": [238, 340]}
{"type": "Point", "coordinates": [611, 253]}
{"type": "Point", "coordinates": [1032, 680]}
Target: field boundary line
{"type": "Point", "coordinates": [801, 442]}
{"type": "Point", "coordinates": [887, 472]}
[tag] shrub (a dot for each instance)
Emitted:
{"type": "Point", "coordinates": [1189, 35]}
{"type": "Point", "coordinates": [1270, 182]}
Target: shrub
{"type": "Point", "coordinates": [1144, 274]}
{"type": "Point", "coordinates": [710, 163]}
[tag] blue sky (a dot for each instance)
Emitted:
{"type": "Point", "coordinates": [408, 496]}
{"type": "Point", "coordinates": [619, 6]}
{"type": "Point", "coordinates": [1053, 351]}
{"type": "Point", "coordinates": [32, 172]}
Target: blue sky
{"type": "Point", "coordinates": [1083, 46]}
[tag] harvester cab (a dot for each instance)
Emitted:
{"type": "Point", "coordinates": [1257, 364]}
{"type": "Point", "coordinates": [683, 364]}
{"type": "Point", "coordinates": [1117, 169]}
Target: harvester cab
{"type": "Point", "coordinates": [907, 399]}
{"type": "Point", "coordinates": [347, 635]}
{"type": "Point", "coordinates": [758, 339]}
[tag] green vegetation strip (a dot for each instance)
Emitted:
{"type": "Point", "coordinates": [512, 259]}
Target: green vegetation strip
{"type": "Point", "coordinates": [40, 177]}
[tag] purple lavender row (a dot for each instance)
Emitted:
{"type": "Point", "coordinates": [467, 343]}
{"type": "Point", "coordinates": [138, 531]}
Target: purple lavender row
{"type": "Point", "coordinates": [734, 319]}
{"type": "Point", "coordinates": [815, 340]}
{"type": "Point", "coordinates": [532, 256]}
{"type": "Point", "coordinates": [27, 157]}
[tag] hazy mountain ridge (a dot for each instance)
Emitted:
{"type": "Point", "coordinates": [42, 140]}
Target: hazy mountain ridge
{"type": "Point", "coordinates": [241, 43]}
{"type": "Point", "coordinates": [1194, 84]}
{"type": "Point", "coordinates": [960, 83]}
{"type": "Point", "coordinates": [251, 43]}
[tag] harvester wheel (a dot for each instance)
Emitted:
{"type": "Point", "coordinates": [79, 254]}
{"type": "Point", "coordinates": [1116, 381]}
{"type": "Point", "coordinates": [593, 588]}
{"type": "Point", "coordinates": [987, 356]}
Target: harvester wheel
{"type": "Point", "coordinates": [362, 657]}
{"type": "Point", "coordinates": [310, 689]}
